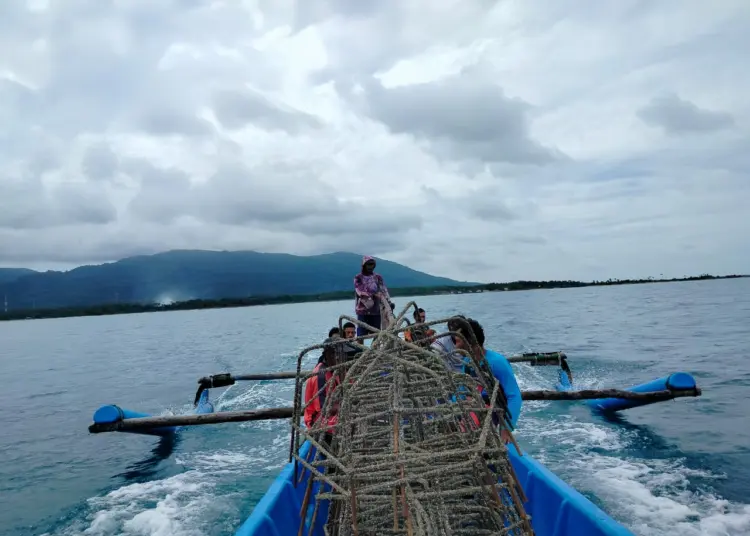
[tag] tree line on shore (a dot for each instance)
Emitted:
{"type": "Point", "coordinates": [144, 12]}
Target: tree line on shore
{"type": "Point", "coordinates": [128, 308]}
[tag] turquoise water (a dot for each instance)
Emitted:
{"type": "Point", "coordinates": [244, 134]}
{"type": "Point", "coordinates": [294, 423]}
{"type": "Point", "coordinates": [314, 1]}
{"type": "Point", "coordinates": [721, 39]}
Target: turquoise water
{"type": "Point", "coordinates": [680, 467]}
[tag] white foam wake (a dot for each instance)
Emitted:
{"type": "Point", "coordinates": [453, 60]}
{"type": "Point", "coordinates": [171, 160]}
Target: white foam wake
{"type": "Point", "coordinates": [653, 497]}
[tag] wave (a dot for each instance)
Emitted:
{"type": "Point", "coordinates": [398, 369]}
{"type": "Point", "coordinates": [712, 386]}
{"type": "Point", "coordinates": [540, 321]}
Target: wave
{"type": "Point", "coordinates": [630, 471]}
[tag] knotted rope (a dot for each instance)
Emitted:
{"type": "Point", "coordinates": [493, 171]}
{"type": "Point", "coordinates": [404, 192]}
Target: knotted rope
{"type": "Point", "coordinates": [415, 449]}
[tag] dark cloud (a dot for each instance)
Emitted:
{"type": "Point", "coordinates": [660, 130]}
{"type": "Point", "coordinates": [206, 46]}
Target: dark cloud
{"type": "Point", "coordinates": [161, 195]}
{"type": "Point", "coordinates": [237, 108]}
{"type": "Point", "coordinates": [678, 116]}
{"type": "Point", "coordinates": [165, 122]}
{"type": "Point", "coordinates": [632, 168]}
{"type": "Point", "coordinates": [489, 209]}
{"type": "Point", "coordinates": [485, 204]}
{"type": "Point", "coordinates": [82, 204]}
{"type": "Point", "coordinates": [100, 246]}
{"type": "Point", "coordinates": [357, 219]}
{"type": "Point", "coordinates": [43, 158]}
{"type": "Point", "coordinates": [19, 204]}
{"type": "Point", "coordinates": [237, 195]}
{"type": "Point", "coordinates": [240, 195]}
{"type": "Point", "coordinates": [358, 242]}
{"type": "Point", "coordinates": [464, 116]}
{"type": "Point", "coordinates": [25, 204]}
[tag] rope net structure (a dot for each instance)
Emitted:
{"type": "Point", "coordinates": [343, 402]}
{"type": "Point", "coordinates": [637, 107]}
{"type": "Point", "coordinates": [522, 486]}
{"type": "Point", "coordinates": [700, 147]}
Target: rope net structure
{"type": "Point", "coordinates": [397, 452]}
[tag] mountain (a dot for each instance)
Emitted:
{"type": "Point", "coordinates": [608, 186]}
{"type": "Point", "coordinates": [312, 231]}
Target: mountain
{"type": "Point", "coordinates": [194, 274]}
{"type": "Point", "coordinates": [8, 275]}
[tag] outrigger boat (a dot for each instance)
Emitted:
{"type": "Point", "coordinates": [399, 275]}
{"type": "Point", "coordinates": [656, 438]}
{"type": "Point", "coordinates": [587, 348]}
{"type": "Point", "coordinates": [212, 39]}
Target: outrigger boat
{"type": "Point", "coordinates": [551, 507]}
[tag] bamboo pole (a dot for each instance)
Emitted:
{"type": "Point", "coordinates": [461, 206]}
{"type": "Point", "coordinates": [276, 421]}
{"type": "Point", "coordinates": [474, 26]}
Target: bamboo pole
{"type": "Point", "coordinates": [129, 425]}
{"type": "Point", "coordinates": [285, 375]}
{"type": "Point", "coordinates": [537, 359]}
{"type": "Point", "coordinates": [222, 380]}
{"type": "Point", "coordinates": [592, 394]}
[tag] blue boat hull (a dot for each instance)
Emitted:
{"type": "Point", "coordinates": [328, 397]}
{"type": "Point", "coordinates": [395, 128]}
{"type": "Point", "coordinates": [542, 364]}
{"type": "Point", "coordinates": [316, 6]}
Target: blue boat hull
{"type": "Point", "coordinates": [556, 509]}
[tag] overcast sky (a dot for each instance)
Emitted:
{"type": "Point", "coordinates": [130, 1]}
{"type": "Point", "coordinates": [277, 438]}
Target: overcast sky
{"type": "Point", "coordinates": [473, 139]}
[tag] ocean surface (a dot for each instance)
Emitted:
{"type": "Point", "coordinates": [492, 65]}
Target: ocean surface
{"type": "Point", "coordinates": [675, 468]}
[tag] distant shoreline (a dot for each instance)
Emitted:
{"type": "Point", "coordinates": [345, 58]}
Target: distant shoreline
{"type": "Point", "coordinates": [190, 305]}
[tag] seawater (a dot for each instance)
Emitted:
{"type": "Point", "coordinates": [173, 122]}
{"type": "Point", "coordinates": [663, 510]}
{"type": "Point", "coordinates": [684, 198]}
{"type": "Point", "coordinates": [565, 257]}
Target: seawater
{"type": "Point", "coordinates": [679, 467]}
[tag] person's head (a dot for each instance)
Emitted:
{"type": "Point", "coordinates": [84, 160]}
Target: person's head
{"type": "Point", "coordinates": [476, 328]}
{"type": "Point", "coordinates": [350, 330]}
{"type": "Point", "coordinates": [329, 352]}
{"type": "Point", "coordinates": [454, 323]}
{"type": "Point", "coordinates": [368, 264]}
{"type": "Point", "coordinates": [420, 315]}
{"type": "Point", "coordinates": [334, 332]}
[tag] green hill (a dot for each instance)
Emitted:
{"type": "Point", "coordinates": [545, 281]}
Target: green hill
{"type": "Point", "coordinates": [186, 274]}
{"type": "Point", "coordinates": [8, 275]}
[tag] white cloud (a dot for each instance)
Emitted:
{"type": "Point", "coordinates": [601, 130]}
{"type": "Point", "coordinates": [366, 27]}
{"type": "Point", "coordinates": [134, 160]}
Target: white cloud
{"type": "Point", "coordinates": [478, 140]}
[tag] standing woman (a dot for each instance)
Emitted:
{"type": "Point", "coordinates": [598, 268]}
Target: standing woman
{"type": "Point", "coordinates": [370, 293]}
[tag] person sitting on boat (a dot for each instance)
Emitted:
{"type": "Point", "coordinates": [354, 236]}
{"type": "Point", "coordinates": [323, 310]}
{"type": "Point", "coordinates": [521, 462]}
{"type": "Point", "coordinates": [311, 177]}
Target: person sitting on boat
{"type": "Point", "coordinates": [319, 386]}
{"type": "Point", "coordinates": [334, 332]}
{"type": "Point", "coordinates": [417, 334]}
{"type": "Point", "coordinates": [370, 290]}
{"type": "Point", "coordinates": [350, 351]}
{"type": "Point", "coordinates": [350, 330]}
{"type": "Point", "coordinates": [446, 345]}
{"type": "Point", "coordinates": [501, 370]}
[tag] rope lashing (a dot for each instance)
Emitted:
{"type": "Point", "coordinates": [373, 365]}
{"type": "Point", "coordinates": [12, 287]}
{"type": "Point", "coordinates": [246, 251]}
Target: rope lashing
{"type": "Point", "coordinates": [414, 449]}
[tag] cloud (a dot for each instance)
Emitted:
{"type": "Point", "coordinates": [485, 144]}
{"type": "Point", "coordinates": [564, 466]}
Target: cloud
{"type": "Point", "coordinates": [240, 196]}
{"type": "Point", "coordinates": [463, 116]}
{"type": "Point", "coordinates": [29, 206]}
{"type": "Point", "coordinates": [165, 122]}
{"type": "Point", "coordinates": [237, 108]}
{"type": "Point", "coordinates": [99, 162]}
{"type": "Point", "coordinates": [678, 116]}
{"type": "Point", "coordinates": [477, 140]}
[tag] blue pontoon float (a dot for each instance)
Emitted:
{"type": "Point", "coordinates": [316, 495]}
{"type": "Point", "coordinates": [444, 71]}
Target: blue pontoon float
{"type": "Point", "coordinates": [678, 381]}
{"type": "Point", "coordinates": [112, 414]}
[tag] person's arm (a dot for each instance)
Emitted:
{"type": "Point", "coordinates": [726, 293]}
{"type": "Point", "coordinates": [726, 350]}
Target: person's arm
{"type": "Point", "coordinates": [384, 289]}
{"type": "Point", "coordinates": [503, 371]}
{"type": "Point", "coordinates": [384, 294]}
{"type": "Point", "coordinates": [311, 410]}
